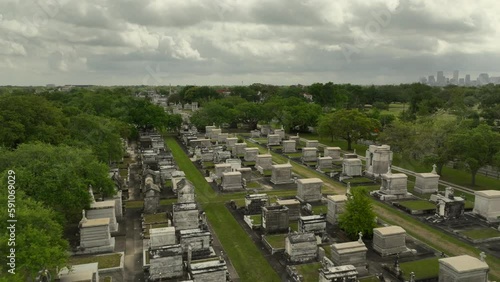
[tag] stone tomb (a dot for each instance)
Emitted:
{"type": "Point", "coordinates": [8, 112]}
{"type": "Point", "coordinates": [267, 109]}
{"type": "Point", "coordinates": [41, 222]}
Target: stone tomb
{"type": "Point", "coordinates": [378, 159]}
{"type": "Point", "coordinates": [333, 152]}
{"type": "Point", "coordinates": [487, 204]}
{"type": "Point", "coordinates": [273, 140]}
{"type": "Point", "coordinates": [214, 133]}
{"type": "Point", "coordinates": [221, 138]}
{"type": "Point", "coordinates": [325, 163]}
{"type": "Point", "coordinates": [275, 219]}
{"type": "Point", "coordinates": [246, 173]}
{"type": "Point", "coordinates": [232, 181]}
{"type": "Point", "coordinates": [352, 167]}
{"type": "Point", "coordinates": [427, 183]}
{"type": "Point", "coordinates": [205, 143]}
{"type": "Point", "coordinates": [309, 154]}
{"type": "Point", "coordinates": [350, 253]}
{"type": "Point", "coordinates": [448, 205]}
{"type": "Point", "coordinates": [301, 248]}
{"type": "Point", "coordinates": [95, 236]}
{"type": "Point", "coordinates": [293, 206]}
{"type": "Point", "coordinates": [79, 272]}
{"type": "Point", "coordinates": [210, 271]}
{"type": "Point", "coordinates": [289, 146]}
{"type": "Point", "coordinates": [264, 162]}
{"type": "Point", "coordinates": [199, 240]}
{"type": "Point", "coordinates": [255, 202]}
{"type": "Point", "coordinates": [312, 143]}
{"type": "Point", "coordinates": [336, 205]}
{"type": "Point", "coordinates": [105, 209]}
{"type": "Point", "coordinates": [255, 133]}
{"type": "Point", "coordinates": [230, 141]}
{"type": "Point", "coordinates": [309, 190]}
{"type": "Point", "coordinates": [221, 168]}
{"type": "Point", "coordinates": [235, 164]}
{"type": "Point", "coordinates": [208, 129]}
{"type": "Point", "coordinates": [295, 138]}
{"type": "Point", "coordinates": [281, 174]}
{"type": "Point", "coordinates": [185, 216]}
{"type": "Point", "coordinates": [463, 268]}
{"type": "Point", "coordinates": [344, 273]}
{"type": "Point", "coordinates": [394, 184]}
{"type": "Point", "coordinates": [265, 129]}
{"type": "Point", "coordinates": [389, 240]}
{"type": "Point", "coordinates": [185, 191]}
{"type": "Point", "coordinates": [251, 154]}
{"type": "Point", "coordinates": [163, 236]}
{"type": "Point", "coordinates": [313, 223]}
{"type": "Point", "coordinates": [280, 132]}
{"type": "Point", "coordinates": [165, 262]}
{"type": "Point", "coordinates": [239, 149]}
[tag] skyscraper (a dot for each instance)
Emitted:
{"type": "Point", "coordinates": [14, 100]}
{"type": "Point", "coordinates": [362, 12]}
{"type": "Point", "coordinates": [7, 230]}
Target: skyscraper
{"type": "Point", "coordinates": [455, 77]}
{"type": "Point", "coordinates": [483, 79]}
{"type": "Point", "coordinates": [440, 79]}
{"type": "Point", "coordinates": [467, 79]}
{"type": "Point", "coordinates": [431, 80]}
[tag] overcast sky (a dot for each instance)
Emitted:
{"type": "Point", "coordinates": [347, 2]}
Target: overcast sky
{"type": "Point", "coordinates": [158, 42]}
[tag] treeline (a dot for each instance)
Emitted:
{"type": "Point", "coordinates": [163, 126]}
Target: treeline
{"type": "Point", "coordinates": [57, 144]}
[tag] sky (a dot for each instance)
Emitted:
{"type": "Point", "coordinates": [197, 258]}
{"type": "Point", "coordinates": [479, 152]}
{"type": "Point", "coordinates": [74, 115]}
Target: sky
{"type": "Point", "coordinates": [240, 42]}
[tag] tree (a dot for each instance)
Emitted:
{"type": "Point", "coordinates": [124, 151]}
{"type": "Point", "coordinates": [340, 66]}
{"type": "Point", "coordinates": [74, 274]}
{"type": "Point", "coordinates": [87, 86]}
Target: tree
{"type": "Point", "coordinates": [350, 125]}
{"type": "Point", "coordinates": [358, 215]}
{"type": "Point", "coordinates": [475, 148]}
{"type": "Point", "coordinates": [39, 238]}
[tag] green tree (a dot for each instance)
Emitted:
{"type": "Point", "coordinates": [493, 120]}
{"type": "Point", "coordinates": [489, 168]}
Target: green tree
{"type": "Point", "coordinates": [475, 148]}
{"type": "Point", "coordinates": [39, 240]}
{"type": "Point", "coordinates": [350, 125]}
{"type": "Point", "coordinates": [358, 215]}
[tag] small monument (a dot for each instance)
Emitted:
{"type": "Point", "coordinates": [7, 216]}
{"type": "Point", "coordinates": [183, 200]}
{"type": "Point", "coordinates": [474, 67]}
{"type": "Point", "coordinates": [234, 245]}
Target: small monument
{"type": "Point", "coordinates": [312, 143]}
{"type": "Point", "coordinates": [164, 236]}
{"type": "Point", "coordinates": [313, 223]}
{"type": "Point", "coordinates": [232, 181]}
{"type": "Point", "coordinates": [165, 262]}
{"type": "Point", "coordinates": [487, 205]}
{"type": "Point", "coordinates": [427, 182]}
{"type": "Point", "coordinates": [325, 163]}
{"type": "Point", "coordinates": [333, 152]}
{"type": "Point", "coordinates": [309, 154]}
{"type": "Point", "coordinates": [264, 162]}
{"type": "Point", "coordinates": [389, 240]}
{"type": "Point", "coordinates": [251, 154]}
{"type": "Point", "coordinates": [336, 204]}
{"type": "Point", "coordinates": [95, 236]}
{"type": "Point", "coordinates": [231, 141]}
{"type": "Point", "coordinates": [238, 150]}
{"type": "Point", "coordinates": [289, 146]}
{"type": "Point", "coordinates": [350, 253]}
{"type": "Point", "coordinates": [220, 169]}
{"type": "Point", "coordinates": [255, 202]}
{"type": "Point", "coordinates": [273, 140]}
{"type": "Point", "coordinates": [185, 216]}
{"type": "Point", "coordinates": [352, 166]}
{"type": "Point", "coordinates": [301, 248]}
{"type": "Point", "coordinates": [463, 268]}
{"type": "Point", "coordinates": [293, 206]}
{"type": "Point", "coordinates": [281, 174]}
{"type": "Point", "coordinates": [309, 190]}
{"type": "Point", "coordinates": [275, 219]}
{"type": "Point", "coordinates": [378, 159]}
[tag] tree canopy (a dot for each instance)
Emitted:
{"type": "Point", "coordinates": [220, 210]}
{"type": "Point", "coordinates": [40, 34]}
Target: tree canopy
{"type": "Point", "coordinates": [358, 215]}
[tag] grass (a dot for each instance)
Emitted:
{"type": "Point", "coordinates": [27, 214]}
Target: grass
{"type": "Point", "coordinates": [319, 209]}
{"type": "Point", "coordinates": [134, 204]}
{"type": "Point", "coordinates": [152, 218]}
{"type": "Point", "coordinates": [294, 155]}
{"type": "Point", "coordinates": [168, 202]}
{"type": "Point", "coordinates": [294, 225]}
{"type": "Point", "coordinates": [277, 241]}
{"type": "Point", "coordinates": [418, 205]}
{"type": "Point", "coordinates": [208, 165]}
{"type": "Point", "coordinates": [309, 271]}
{"type": "Point", "coordinates": [253, 184]}
{"type": "Point", "coordinates": [484, 233]}
{"type": "Point", "coordinates": [360, 179]}
{"type": "Point", "coordinates": [235, 241]}
{"type": "Point", "coordinates": [369, 279]}
{"type": "Point", "coordinates": [104, 261]}
{"type": "Point", "coordinates": [153, 225]}
{"type": "Point", "coordinates": [423, 269]}
{"type": "Point", "coordinates": [168, 183]}
{"type": "Point", "coordinates": [105, 279]}
{"type": "Point", "coordinates": [256, 219]}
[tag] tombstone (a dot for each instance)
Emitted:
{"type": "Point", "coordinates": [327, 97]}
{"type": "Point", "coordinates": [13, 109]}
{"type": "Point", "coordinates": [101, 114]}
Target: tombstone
{"type": "Point", "coordinates": [95, 236]}
{"type": "Point", "coordinates": [280, 132]}
{"type": "Point", "coordinates": [333, 152]}
{"type": "Point", "coordinates": [221, 138]}
{"type": "Point", "coordinates": [427, 183]}
{"type": "Point", "coordinates": [293, 206]}
{"type": "Point", "coordinates": [325, 163]}
{"type": "Point", "coordinates": [313, 223]}
{"type": "Point", "coordinates": [255, 133]}
{"type": "Point", "coordinates": [345, 273]}
{"type": "Point", "coordinates": [264, 162]}
{"type": "Point", "coordinates": [151, 197]}
{"type": "Point", "coordinates": [336, 205]}
{"type": "Point", "coordinates": [389, 240]}
{"type": "Point", "coordinates": [255, 202]}
{"type": "Point", "coordinates": [463, 268]}
{"type": "Point", "coordinates": [230, 141]}
{"type": "Point", "coordinates": [350, 253]}
{"type": "Point", "coordinates": [235, 164]}
{"type": "Point", "coordinates": [487, 204]}
{"type": "Point", "coordinates": [251, 154]}
{"type": "Point", "coordinates": [281, 174]}
{"type": "Point", "coordinates": [378, 159]}
{"type": "Point", "coordinates": [352, 167]}
{"type": "Point", "coordinates": [185, 191]}
{"type": "Point", "coordinates": [309, 190]}
{"type": "Point", "coordinates": [163, 236]}
{"type": "Point", "coordinates": [214, 133]}
{"type": "Point", "coordinates": [273, 140]}
{"type": "Point", "coordinates": [79, 272]}
{"type": "Point", "coordinates": [246, 173]}
{"type": "Point", "coordinates": [199, 241]}
{"type": "Point", "coordinates": [289, 146]}
{"type": "Point", "coordinates": [275, 219]}
{"type": "Point", "coordinates": [301, 248]}
{"type": "Point", "coordinates": [265, 129]}
{"type": "Point", "coordinates": [205, 143]}
{"type": "Point", "coordinates": [208, 130]}
{"type": "Point", "coordinates": [208, 270]}
{"type": "Point", "coordinates": [221, 168]}
{"type": "Point", "coordinates": [312, 143]}
{"type": "Point", "coordinates": [165, 262]}
{"type": "Point", "coordinates": [105, 209]}
{"type": "Point", "coordinates": [295, 138]}
{"type": "Point", "coordinates": [309, 154]}
{"type": "Point", "coordinates": [232, 181]}
{"type": "Point", "coordinates": [185, 216]}
{"type": "Point", "coordinates": [394, 183]}
{"type": "Point", "coordinates": [194, 106]}
{"type": "Point", "coordinates": [239, 149]}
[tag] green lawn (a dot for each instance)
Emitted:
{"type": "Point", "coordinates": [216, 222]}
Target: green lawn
{"type": "Point", "coordinates": [369, 279]}
{"type": "Point", "coordinates": [418, 205]}
{"type": "Point", "coordinates": [256, 219]}
{"type": "Point", "coordinates": [294, 225]}
{"type": "Point", "coordinates": [253, 184]}
{"type": "Point", "coordinates": [423, 269]}
{"type": "Point", "coordinates": [277, 241]}
{"type": "Point", "coordinates": [309, 271]}
{"type": "Point", "coordinates": [168, 202]}
{"type": "Point", "coordinates": [104, 261]}
{"type": "Point", "coordinates": [237, 244]}
{"type": "Point", "coordinates": [134, 204]}
{"type": "Point", "coordinates": [294, 155]}
{"type": "Point", "coordinates": [483, 233]}
{"type": "Point", "coordinates": [152, 218]}
{"type": "Point", "coordinates": [320, 209]}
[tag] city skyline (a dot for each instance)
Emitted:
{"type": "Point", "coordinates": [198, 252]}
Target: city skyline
{"type": "Point", "coordinates": [242, 42]}
{"type": "Point", "coordinates": [467, 80]}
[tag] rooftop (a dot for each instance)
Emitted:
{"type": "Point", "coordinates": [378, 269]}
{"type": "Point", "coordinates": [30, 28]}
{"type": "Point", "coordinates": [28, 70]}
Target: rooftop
{"type": "Point", "coordinates": [464, 263]}
{"type": "Point", "coordinates": [389, 230]}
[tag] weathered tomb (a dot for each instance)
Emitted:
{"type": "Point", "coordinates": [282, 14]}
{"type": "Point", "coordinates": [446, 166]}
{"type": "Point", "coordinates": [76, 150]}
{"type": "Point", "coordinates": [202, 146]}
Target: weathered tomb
{"type": "Point", "coordinates": [221, 138]}
{"type": "Point", "coordinates": [487, 204]}
{"type": "Point", "coordinates": [309, 154]}
{"type": "Point", "coordinates": [281, 173]}
{"type": "Point", "coordinates": [344, 273]}
{"type": "Point", "coordinates": [309, 189]}
{"type": "Point", "coordinates": [208, 270]}
{"type": "Point", "coordinates": [221, 168]}
{"type": "Point", "coordinates": [325, 163]}
{"type": "Point", "coordinates": [427, 183]}
{"type": "Point", "coordinates": [251, 154]}
{"type": "Point", "coordinates": [389, 240]}
{"type": "Point", "coordinates": [273, 140]}
{"type": "Point", "coordinates": [275, 219]}
{"type": "Point", "coordinates": [336, 204]}
{"type": "Point", "coordinates": [448, 205]}
{"type": "Point", "coordinates": [79, 272]}
{"type": "Point", "coordinates": [289, 146]}
{"type": "Point", "coordinates": [333, 152]}
{"type": "Point", "coordinates": [231, 141]}
{"type": "Point", "coordinates": [463, 268]}
{"type": "Point", "coordinates": [238, 149]}
{"type": "Point", "coordinates": [165, 262]}
{"type": "Point", "coordinates": [280, 132]}
{"type": "Point", "coordinates": [199, 240]}
{"type": "Point", "coordinates": [378, 159]}
{"type": "Point", "coordinates": [301, 248]}
{"type": "Point", "coordinates": [350, 253]}
{"type": "Point", "coordinates": [313, 223]}
{"type": "Point", "coordinates": [232, 181]}
{"type": "Point", "coordinates": [264, 162]}
{"type": "Point", "coordinates": [255, 202]}
{"type": "Point", "coordinates": [104, 209]}
{"type": "Point", "coordinates": [293, 206]}
{"type": "Point", "coordinates": [246, 174]}
{"type": "Point", "coordinates": [185, 216]}
{"type": "Point", "coordinates": [185, 191]}
{"type": "Point", "coordinates": [163, 236]}
{"type": "Point", "coordinates": [95, 236]}
{"type": "Point", "coordinates": [352, 166]}
{"type": "Point", "coordinates": [312, 143]}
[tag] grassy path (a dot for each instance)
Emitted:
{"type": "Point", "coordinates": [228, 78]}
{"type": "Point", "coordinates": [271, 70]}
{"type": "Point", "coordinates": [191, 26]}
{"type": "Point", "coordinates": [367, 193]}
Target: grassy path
{"type": "Point", "coordinates": [244, 255]}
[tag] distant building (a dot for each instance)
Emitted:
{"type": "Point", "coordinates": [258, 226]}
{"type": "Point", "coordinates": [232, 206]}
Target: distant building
{"type": "Point", "coordinates": [467, 79]}
{"type": "Point", "coordinates": [441, 80]}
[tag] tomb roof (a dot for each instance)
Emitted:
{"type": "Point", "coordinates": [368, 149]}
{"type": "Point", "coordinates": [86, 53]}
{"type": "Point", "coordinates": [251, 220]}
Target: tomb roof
{"type": "Point", "coordinates": [96, 222]}
{"type": "Point", "coordinates": [337, 198]}
{"type": "Point", "coordinates": [389, 230]}
{"type": "Point", "coordinates": [488, 193]}
{"type": "Point", "coordinates": [464, 263]}
{"type": "Point", "coordinates": [309, 180]}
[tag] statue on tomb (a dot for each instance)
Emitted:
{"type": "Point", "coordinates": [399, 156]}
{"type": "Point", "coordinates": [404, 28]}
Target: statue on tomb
{"type": "Point", "coordinates": [482, 256]}
{"type": "Point", "coordinates": [360, 239]}
{"type": "Point", "coordinates": [91, 193]}
{"type": "Point", "coordinates": [84, 219]}
{"type": "Point", "coordinates": [348, 192]}
{"type": "Point", "coordinates": [389, 172]}
{"type": "Point", "coordinates": [412, 276]}
{"type": "Point", "coordinates": [434, 166]}
{"type": "Point", "coordinates": [354, 152]}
